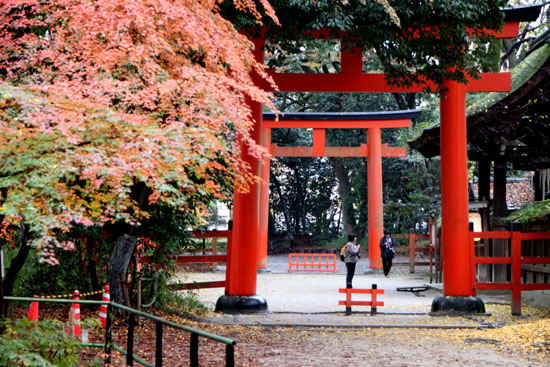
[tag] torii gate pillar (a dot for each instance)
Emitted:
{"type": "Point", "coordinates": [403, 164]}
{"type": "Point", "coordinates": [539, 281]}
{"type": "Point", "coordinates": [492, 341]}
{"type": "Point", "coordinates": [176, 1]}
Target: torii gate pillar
{"type": "Point", "coordinates": [240, 290]}
{"type": "Point", "coordinates": [458, 289]}
{"type": "Point", "coordinates": [375, 200]}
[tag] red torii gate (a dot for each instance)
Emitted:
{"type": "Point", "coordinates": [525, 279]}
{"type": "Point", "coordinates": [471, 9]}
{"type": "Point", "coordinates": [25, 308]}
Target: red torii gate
{"type": "Point", "coordinates": [249, 228]}
{"type": "Point", "coordinates": [374, 150]}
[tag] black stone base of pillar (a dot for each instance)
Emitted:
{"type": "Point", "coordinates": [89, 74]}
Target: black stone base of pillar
{"type": "Point", "coordinates": [241, 304]}
{"type": "Point", "coordinates": [457, 305]}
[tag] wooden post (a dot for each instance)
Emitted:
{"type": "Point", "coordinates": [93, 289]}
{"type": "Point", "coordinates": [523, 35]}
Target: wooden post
{"type": "Point", "coordinates": [244, 254]}
{"type": "Point", "coordinates": [412, 250]}
{"type": "Point", "coordinates": [348, 301]}
{"type": "Point", "coordinates": [454, 191]}
{"type": "Point", "coordinates": [263, 228]}
{"type": "Point", "coordinates": [373, 300]}
{"type": "Point", "coordinates": [375, 202]}
{"type": "Point", "coordinates": [214, 252]}
{"type": "Point", "coordinates": [516, 269]}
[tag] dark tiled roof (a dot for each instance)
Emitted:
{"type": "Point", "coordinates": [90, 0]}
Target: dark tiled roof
{"type": "Point", "coordinates": [518, 192]}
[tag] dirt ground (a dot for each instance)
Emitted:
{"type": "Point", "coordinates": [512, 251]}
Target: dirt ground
{"type": "Point", "coordinates": [363, 346]}
{"type": "Point", "coordinates": [305, 327]}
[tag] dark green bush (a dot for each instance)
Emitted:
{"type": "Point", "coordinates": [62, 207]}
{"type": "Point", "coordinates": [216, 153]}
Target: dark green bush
{"type": "Point", "coordinates": [37, 344]}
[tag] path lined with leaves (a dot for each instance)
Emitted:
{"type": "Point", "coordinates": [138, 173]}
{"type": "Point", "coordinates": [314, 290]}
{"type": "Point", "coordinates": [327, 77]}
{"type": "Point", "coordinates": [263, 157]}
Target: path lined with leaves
{"type": "Point", "coordinates": [514, 341]}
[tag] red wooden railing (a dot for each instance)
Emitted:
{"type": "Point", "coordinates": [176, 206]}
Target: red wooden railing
{"type": "Point", "coordinates": [515, 260]}
{"type": "Point", "coordinates": [433, 249]}
{"type": "Point", "coordinates": [192, 259]}
{"type": "Point", "coordinates": [374, 303]}
{"type": "Point", "coordinates": [312, 262]}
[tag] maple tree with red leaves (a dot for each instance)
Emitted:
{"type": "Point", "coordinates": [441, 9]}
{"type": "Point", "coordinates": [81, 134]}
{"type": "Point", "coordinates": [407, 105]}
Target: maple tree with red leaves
{"type": "Point", "coordinates": [96, 97]}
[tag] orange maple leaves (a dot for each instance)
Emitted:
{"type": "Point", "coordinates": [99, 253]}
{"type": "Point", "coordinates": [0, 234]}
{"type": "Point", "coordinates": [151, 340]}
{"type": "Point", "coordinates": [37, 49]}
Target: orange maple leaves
{"type": "Point", "coordinates": [122, 92]}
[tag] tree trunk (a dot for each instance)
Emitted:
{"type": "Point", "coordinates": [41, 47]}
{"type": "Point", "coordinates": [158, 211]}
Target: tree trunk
{"type": "Point", "coordinates": [15, 267]}
{"type": "Point", "coordinates": [120, 260]}
{"type": "Point", "coordinates": [344, 189]}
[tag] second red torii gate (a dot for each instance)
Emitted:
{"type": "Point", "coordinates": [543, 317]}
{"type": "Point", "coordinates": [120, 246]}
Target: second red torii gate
{"type": "Point", "coordinates": [459, 293]}
{"type": "Point", "coordinates": [374, 150]}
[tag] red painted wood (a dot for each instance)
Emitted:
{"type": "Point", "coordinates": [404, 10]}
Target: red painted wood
{"type": "Point", "coordinates": [503, 286]}
{"type": "Point", "coordinates": [362, 151]}
{"type": "Point", "coordinates": [374, 83]}
{"type": "Point", "coordinates": [536, 260]}
{"type": "Point", "coordinates": [245, 241]}
{"type": "Point", "coordinates": [492, 234]}
{"type": "Point", "coordinates": [264, 202]}
{"type": "Point", "coordinates": [361, 291]}
{"type": "Point", "coordinates": [352, 60]}
{"type": "Point", "coordinates": [509, 30]}
{"type": "Point", "coordinates": [375, 200]}
{"type": "Point", "coordinates": [535, 236]}
{"type": "Point", "coordinates": [535, 287]}
{"type": "Point", "coordinates": [515, 259]}
{"type": "Point", "coordinates": [493, 260]}
{"type": "Point", "coordinates": [335, 124]}
{"type": "Point", "coordinates": [393, 151]}
{"type": "Point", "coordinates": [516, 273]}
{"type": "Point", "coordinates": [318, 142]}
{"type": "Point", "coordinates": [349, 291]}
{"type": "Point", "coordinates": [317, 262]}
{"type": "Point", "coordinates": [454, 193]}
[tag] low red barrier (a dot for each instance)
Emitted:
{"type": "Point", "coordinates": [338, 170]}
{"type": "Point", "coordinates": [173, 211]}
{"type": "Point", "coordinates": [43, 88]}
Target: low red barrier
{"type": "Point", "coordinates": [516, 260]}
{"type": "Point", "coordinates": [373, 302]}
{"type": "Point", "coordinates": [312, 262]}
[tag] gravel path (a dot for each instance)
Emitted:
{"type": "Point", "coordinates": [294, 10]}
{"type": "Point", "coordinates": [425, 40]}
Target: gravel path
{"type": "Point", "coordinates": [311, 298]}
{"type": "Point", "coordinates": [306, 327]}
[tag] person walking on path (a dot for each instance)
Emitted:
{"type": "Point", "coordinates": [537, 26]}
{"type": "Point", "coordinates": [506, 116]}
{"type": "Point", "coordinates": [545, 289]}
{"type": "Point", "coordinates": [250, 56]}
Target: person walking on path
{"type": "Point", "coordinates": [387, 250]}
{"type": "Point", "coordinates": [351, 258]}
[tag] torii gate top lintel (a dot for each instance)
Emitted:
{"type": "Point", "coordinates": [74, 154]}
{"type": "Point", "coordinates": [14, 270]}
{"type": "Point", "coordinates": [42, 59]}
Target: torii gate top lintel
{"type": "Point", "coordinates": [345, 116]}
{"type": "Point", "coordinates": [339, 120]}
{"type": "Point", "coordinates": [319, 121]}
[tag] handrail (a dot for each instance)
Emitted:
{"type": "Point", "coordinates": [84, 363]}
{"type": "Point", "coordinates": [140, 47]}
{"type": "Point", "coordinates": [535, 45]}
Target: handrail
{"type": "Point", "coordinates": [129, 309]}
{"type": "Point", "coordinates": [515, 259]}
{"type": "Point", "coordinates": [195, 333]}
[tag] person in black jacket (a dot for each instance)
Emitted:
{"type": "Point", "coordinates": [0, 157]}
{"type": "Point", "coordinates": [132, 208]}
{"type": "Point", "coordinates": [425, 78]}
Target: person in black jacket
{"type": "Point", "coordinates": [387, 251]}
{"type": "Point", "coordinates": [352, 255]}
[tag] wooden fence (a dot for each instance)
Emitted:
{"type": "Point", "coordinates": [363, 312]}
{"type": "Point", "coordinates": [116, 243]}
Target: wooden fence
{"type": "Point", "coordinates": [516, 260]}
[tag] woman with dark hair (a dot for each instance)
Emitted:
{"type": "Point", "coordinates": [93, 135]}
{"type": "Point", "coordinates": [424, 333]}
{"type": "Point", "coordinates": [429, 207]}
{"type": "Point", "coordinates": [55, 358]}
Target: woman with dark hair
{"type": "Point", "coordinates": [387, 251]}
{"type": "Point", "coordinates": [351, 257]}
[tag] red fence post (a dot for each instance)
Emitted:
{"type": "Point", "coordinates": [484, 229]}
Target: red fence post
{"type": "Point", "coordinates": [374, 302]}
{"type": "Point", "coordinates": [348, 301]}
{"type": "Point", "coordinates": [516, 269]}
{"type": "Point", "coordinates": [412, 254]}
{"type": "Point", "coordinates": [473, 267]}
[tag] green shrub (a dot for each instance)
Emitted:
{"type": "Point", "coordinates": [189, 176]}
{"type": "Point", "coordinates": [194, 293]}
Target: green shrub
{"type": "Point", "coordinates": [37, 344]}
